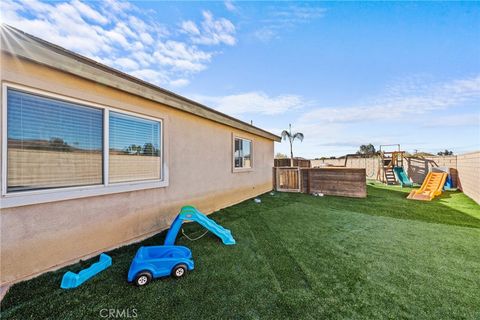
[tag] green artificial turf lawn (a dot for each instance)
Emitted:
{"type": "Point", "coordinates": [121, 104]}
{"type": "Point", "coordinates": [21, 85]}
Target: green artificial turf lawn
{"type": "Point", "coordinates": [298, 257]}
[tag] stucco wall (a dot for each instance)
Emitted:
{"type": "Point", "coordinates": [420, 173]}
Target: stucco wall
{"type": "Point", "coordinates": [39, 237]}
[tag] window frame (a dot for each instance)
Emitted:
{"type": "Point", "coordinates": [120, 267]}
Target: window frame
{"type": "Point", "coordinates": [242, 169]}
{"type": "Point", "coordinates": [106, 173]}
{"type": "Point", "coordinates": [20, 198]}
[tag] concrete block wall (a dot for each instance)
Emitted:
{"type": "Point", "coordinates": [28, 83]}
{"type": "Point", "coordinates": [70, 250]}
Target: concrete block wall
{"type": "Point", "coordinates": [468, 167]}
{"type": "Point", "coordinates": [369, 164]}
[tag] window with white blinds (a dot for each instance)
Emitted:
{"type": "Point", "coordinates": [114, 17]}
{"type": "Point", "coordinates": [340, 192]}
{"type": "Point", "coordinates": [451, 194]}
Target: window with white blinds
{"type": "Point", "coordinates": [55, 143]}
{"type": "Point", "coordinates": [134, 148]}
{"type": "Point", "coordinates": [52, 143]}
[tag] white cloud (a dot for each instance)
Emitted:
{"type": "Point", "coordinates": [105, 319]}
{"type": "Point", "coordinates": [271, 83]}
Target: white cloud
{"type": "Point", "coordinates": [181, 56]}
{"type": "Point", "coordinates": [119, 7]}
{"type": "Point", "coordinates": [266, 34]}
{"type": "Point", "coordinates": [126, 63]}
{"type": "Point", "coordinates": [211, 31]}
{"type": "Point", "coordinates": [179, 82]}
{"type": "Point", "coordinates": [230, 6]}
{"type": "Point", "coordinates": [254, 102]}
{"type": "Point", "coordinates": [121, 35]}
{"type": "Point", "coordinates": [88, 12]}
{"type": "Point", "coordinates": [401, 101]}
{"type": "Point", "coordinates": [280, 18]}
{"type": "Point", "coordinates": [455, 120]}
{"type": "Point", "coordinates": [298, 14]}
{"type": "Point", "coordinates": [190, 27]}
{"type": "Point", "coordinates": [150, 75]}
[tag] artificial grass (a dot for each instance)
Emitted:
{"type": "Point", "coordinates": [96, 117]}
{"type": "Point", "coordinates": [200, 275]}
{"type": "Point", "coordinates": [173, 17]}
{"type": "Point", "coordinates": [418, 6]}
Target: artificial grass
{"type": "Point", "coordinates": [298, 257]}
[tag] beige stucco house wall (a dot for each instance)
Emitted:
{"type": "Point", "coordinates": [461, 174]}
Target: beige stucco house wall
{"type": "Point", "coordinates": [197, 151]}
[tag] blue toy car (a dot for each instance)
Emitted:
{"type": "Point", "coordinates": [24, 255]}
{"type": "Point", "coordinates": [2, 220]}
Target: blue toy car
{"type": "Point", "coordinates": [159, 261]}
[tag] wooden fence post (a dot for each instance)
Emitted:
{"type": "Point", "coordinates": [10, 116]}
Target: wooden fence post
{"type": "Point", "coordinates": [309, 181]}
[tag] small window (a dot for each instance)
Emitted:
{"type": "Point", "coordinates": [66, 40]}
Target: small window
{"type": "Point", "coordinates": [52, 143]}
{"type": "Point", "coordinates": [134, 148]}
{"type": "Point", "coordinates": [242, 153]}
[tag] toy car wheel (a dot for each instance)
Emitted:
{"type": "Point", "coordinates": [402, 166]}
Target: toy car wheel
{"type": "Point", "coordinates": [179, 271]}
{"type": "Point", "coordinates": [143, 278]}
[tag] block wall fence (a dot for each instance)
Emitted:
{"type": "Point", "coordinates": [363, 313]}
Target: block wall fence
{"type": "Point", "coordinates": [468, 168]}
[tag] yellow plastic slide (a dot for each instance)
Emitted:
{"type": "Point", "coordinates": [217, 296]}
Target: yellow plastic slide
{"type": "Point", "coordinates": [431, 187]}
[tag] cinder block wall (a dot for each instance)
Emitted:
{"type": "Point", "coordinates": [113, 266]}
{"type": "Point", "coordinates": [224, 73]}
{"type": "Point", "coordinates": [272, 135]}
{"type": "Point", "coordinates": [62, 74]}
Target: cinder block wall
{"type": "Point", "coordinates": [369, 164]}
{"type": "Point", "coordinates": [468, 167]}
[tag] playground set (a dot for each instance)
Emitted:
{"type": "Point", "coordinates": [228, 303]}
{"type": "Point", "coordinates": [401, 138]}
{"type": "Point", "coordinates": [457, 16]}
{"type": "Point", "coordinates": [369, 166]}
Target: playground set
{"type": "Point", "coordinates": [391, 171]}
{"type": "Point", "coordinates": [156, 261]}
{"type": "Point", "coordinates": [391, 168]}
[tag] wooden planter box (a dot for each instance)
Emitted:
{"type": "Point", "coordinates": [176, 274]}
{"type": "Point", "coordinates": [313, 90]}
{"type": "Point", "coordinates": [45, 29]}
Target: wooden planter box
{"type": "Point", "coordinates": [346, 182]}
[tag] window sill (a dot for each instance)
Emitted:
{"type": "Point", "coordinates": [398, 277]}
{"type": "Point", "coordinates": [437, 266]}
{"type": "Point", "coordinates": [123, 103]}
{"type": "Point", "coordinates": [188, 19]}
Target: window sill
{"type": "Point", "coordinates": [44, 196]}
{"type": "Point", "coordinates": [234, 170]}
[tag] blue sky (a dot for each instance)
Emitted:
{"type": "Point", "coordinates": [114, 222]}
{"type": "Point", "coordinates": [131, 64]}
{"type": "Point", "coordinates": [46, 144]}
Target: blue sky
{"type": "Point", "coordinates": [342, 73]}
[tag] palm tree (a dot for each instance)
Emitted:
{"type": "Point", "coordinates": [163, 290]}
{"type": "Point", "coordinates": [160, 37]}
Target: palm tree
{"type": "Point", "coordinates": [291, 137]}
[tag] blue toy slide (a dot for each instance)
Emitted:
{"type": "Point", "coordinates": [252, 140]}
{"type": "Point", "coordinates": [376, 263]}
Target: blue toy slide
{"type": "Point", "coordinates": [189, 213]}
{"type": "Point", "coordinates": [402, 177]}
{"type": "Point", "coordinates": [72, 280]}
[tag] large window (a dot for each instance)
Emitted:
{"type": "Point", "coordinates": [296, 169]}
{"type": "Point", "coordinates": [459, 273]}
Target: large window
{"type": "Point", "coordinates": [58, 143]}
{"type": "Point", "coordinates": [134, 148]}
{"type": "Point", "coordinates": [52, 143]}
{"type": "Point", "coordinates": [242, 153]}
